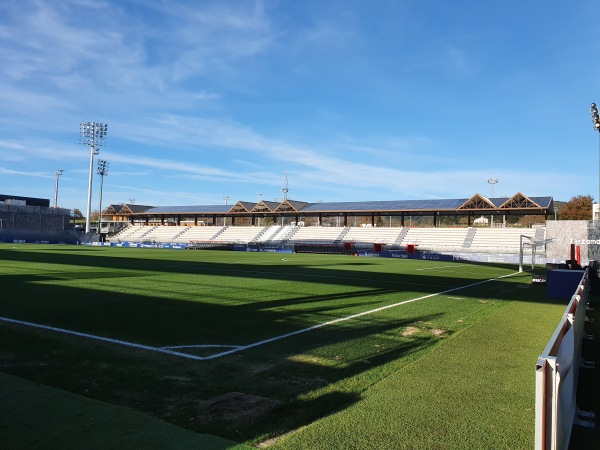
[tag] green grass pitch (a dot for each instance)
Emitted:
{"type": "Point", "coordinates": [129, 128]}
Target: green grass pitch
{"type": "Point", "coordinates": [322, 350]}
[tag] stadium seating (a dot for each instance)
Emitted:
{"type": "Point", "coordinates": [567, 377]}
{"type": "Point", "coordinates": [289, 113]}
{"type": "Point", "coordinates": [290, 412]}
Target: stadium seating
{"type": "Point", "coordinates": [198, 234]}
{"type": "Point", "coordinates": [436, 239]}
{"type": "Point", "coordinates": [500, 240]}
{"type": "Point", "coordinates": [372, 235]}
{"type": "Point", "coordinates": [477, 240]}
{"type": "Point", "coordinates": [133, 233]}
{"type": "Point", "coordinates": [164, 233]}
{"type": "Point", "coordinates": [271, 233]}
{"type": "Point", "coordinates": [318, 234]}
{"type": "Point", "coordinates": [239, 234]}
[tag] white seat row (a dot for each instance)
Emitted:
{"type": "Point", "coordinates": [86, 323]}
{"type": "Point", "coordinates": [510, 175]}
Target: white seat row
{"type": "Point", "coordinates": [239, 234]}
{"type": "Point", "coordinates": [375, 235]}
{"type": "Point", "coordinates": [442, 239]}
{"type": "Point", "coordinates": [198, 234]}
{"type": "Point", "coordinates": [132, 233]}
{"type": "Point", "coordinates": [164, 234]}
{"type": "Point", "coordinates": [317, 234]}
{"type": "Point", "coordinates": [500, 239]}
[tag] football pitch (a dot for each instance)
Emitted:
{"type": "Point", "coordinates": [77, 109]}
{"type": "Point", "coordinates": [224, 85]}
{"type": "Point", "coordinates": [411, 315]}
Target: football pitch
{"type": "Point", "coordinates": [254, 346]}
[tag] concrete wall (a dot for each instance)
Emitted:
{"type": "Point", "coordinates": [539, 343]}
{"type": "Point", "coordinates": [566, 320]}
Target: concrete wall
{"type": "Point", "coordinates": [582, 233]}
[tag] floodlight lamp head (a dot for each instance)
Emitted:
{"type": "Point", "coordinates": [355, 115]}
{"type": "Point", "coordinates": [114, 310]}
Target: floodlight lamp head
{"type": "Point", "coordinates": [597, 126]}
{"type": "Point", "coordinates": [593, 106]}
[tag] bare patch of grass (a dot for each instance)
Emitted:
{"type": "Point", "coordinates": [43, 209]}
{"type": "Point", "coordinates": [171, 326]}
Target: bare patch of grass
{"type": "Point", "coordinates": [409, 331]}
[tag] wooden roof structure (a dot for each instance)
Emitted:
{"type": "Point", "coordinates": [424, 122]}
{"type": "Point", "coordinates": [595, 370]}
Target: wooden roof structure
{"type": "Point", "coordinates": [477, 204]}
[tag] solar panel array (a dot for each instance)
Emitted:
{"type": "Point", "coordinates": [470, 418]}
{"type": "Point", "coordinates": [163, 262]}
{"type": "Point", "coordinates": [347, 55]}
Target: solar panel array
{"type": "Point", "coordinates": [393, 205]}
{"type": "Point", "coordinates": [204, 209]}
{"type": "Point", "coordinates": [366, 206]}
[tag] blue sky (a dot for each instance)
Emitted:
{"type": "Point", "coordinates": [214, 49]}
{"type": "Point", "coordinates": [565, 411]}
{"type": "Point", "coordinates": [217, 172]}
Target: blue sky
{"type": "Point", "coordinates": [356, 100]}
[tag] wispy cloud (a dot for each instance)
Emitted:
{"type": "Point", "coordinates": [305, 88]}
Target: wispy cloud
{"type": "Point", "coordinates": [212, 96]}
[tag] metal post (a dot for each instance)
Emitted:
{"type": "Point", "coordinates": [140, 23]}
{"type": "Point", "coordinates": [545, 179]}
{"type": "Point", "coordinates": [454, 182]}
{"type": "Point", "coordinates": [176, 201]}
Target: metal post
{"type": "Point", "coordinates": [520, 253]}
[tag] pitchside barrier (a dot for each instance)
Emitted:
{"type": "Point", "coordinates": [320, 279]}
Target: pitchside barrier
{"type": "Point", "coordinates": [556, 377]}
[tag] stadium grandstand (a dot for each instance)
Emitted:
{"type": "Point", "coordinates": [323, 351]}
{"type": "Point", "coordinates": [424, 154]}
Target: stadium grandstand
{"type": "Point", "coordinates": [365, 228]}
{"type": "Point", "coordinates": [28, 219]}
{"type": "Point", "coordinates": [336, 227]}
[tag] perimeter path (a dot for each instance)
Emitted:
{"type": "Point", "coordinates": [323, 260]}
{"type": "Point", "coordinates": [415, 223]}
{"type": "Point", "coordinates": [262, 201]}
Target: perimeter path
{"type": "Point", "coordinates": [172, 350]}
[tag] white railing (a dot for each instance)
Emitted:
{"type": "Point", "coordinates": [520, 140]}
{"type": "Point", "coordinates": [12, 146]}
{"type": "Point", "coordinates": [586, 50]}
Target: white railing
{"type": "Point", "coordinates": [556, 377]}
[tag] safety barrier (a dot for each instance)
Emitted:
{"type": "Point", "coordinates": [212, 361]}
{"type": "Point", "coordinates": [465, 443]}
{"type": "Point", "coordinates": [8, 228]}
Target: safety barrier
{"type": "Point", "coordinates": [557, 372]}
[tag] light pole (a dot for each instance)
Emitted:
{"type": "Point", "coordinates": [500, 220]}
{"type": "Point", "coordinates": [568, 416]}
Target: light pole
{"type": "Point", "coordinates": [285, 189]}
{"type": "Point", "coordinates": [94, 135]}
{"type": "Point", "coordinates": [225, 197]}
{"type": "Point", "coordinates": [58, 173]}
{"type": "Point", "coordinates": [492, 182]}
{"type": "Point", "coordinates": [102, 171]}
{"type": "Point", "coordinates": [596, 122]}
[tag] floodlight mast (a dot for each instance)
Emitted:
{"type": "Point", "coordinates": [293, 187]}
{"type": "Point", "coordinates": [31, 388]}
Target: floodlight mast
{"type": "Point", "coordinates": [102, 171]}
{"type": "Point", "coordinates": [58, 173]}
{"type": "Point", "coordinates": [285, 189]}
{"type": "Point", "coordinates": [94, 135]}
{"type": "Point", "coordinates": [492, 182]}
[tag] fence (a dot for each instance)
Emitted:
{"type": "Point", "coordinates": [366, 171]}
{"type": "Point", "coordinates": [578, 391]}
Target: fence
{"type": "Point", "coordinates": [557, 372]}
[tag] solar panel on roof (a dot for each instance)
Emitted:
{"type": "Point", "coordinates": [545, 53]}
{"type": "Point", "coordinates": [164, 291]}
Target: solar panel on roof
{"type": "Point", "coordinates": [190, 209]}
{"type": "Point", "coordinates": [366, 206]}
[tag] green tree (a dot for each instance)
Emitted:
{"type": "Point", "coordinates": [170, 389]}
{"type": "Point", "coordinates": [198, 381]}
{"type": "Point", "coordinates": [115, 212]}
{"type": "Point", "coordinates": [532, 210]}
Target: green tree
{"type": "Point", "coordinates": [578, 208]}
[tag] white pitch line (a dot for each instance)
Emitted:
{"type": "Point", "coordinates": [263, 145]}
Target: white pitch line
{"type": "Point", "coordinates": [200, 346]}
{"type": "Point", "coordinates": [440, 267]}
{"type": "Point", "coordinates": [353, 316]}
{"type": "Point", "coordinates": [102, 338]}
{"type": "Point", "coordinates": [243, 347]}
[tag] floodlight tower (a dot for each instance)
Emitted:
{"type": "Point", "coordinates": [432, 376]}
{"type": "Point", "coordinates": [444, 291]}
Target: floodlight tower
{"type": "Point", "coordinates": [285, 189]}
{"type": "Point", "coordinates": [94, 135]}
{"type": "Point", "coordinates": [596, 122]}
{"type": "Point", "coordinates": [102, 171]}
{"type": "Point", "coordinates": [226, 197]}
{"type": "Point", "coordinates": [58, 173]}
{"type": "Point", "coordinates": [492, 182]}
